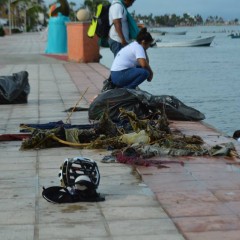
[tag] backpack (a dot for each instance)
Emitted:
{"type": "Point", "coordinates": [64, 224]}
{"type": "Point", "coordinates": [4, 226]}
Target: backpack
{"type": "Point", "coordinates": [103, 26]}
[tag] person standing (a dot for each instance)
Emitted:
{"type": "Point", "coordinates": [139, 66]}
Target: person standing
{"type": "Point", "coordinates": [119, 31]}
{"type": "Point", "coordinates": [131, 65]}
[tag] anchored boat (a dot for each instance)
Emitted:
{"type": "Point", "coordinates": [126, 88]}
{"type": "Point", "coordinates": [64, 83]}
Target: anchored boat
{"type": "Point", "coordinates": [199, 42]}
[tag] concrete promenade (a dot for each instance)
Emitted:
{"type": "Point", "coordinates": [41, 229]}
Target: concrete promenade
{"type": "Point", "coordinates": [197, 201]}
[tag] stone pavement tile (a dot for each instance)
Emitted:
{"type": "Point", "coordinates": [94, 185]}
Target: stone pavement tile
{"type": "Point", "coordinates": [51, 162]}
{"type": "Point", "coordinates": [203, 160]}
{"type": "Point", "coordinates": [48, 182]}
{"type": "Point", "coordinates": [222, 184]}
{"type": "Point", "coordinates": [76, 230]}
{"type": "Point", "coordinates": [18, 166]}
{"type": "Point", "coordinates": [212, 140]}
{"type": "Point", "coordinates": [133, 213]}
{"type": "Point", "coordinates": [19, 232]}
{"type": "Point", "coordinates": [48, 173]}
{"type": "Point", "coordinates": [173, 186]}
{"type": "Point", "coordinates": [16, 181]}
{"type": "Point", "coordinates": [172, 168]}
{"type": "Point", "coordinates": [57, 160]}
{"type": "Point", "coordinates": [15, 193]}
{"type": "Point", "coordinates": [124, 189]}
{"type": "Point", "coordinates": [234, 206]}
{"type": "Point", "coordinates": [235, 168]}
{"type": "Point", "coordinates": [162, 236]}
{"type": "Point", "coordinates": [227, 195]}
{"type": "Point", "coordinates": [210, 135]}
{"type": "Point", "coordinates": [9, 175]}
{"type": "Point", "coordinates": [89, 238]}
{"type": "Point", "coordinates": [200, 209]}
{"type": "Point", "coordinates": [142, 227]}
{"type": "Point", "coordinates": [190, 125]}
{"type": "Point", "coordinates": [101, 69]}
{"type": "Point", "coordinates": [164, 178]}
{"type": "Point", "coordinates": [14, 154]}
{"type": "Point", "coordinates": [21, 204]}
{"type": "Point", "coordinates": [17, 217]}
{"type": "Point", "coordinates": [213, 167]}
{"type": "Point", "coordinates": [118, 179]}
{"type": "Point", "coordinates": [130, 200]}
{"type": "Point", "coordinates": [90, 79]}
{"type": "Point", "coordinates": [62, 153]}
{"type": "Point", "coordinates": [208, 223]}
{"type": "Point", "coordinates": [114, 169]}
{"type": "Point", "coordinates": [70, 214]}
{"type": "Point", "coordinates": [210, 175]}
{"type": "Point", "coordinates": [176, 197]}
{"type": "Point", "coordinates": [23, 112]}
{"type": "Point", "coordinates": [215, 235]}
{"type": "Point", "coordinates": [95, 154]}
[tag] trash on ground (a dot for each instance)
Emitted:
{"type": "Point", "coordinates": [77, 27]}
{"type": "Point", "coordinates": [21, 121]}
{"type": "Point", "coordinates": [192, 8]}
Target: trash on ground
{"type": "Point", "coordinates": [79, 178]}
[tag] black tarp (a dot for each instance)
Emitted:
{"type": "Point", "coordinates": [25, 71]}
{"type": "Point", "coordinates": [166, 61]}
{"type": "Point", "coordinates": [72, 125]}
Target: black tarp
{"type": "Point", "coordinates": [141, 103]}
{"type": "Point", "coordinates": [14, 89]}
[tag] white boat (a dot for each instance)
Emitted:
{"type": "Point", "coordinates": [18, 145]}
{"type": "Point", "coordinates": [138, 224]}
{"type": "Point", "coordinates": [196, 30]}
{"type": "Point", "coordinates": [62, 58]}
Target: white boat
{"type": "Point", "coordinates": [198, 42]}
{"type": "Point", "coordinates": [176, 33]}
{"type": "Point", "coordinates": [159, 32]}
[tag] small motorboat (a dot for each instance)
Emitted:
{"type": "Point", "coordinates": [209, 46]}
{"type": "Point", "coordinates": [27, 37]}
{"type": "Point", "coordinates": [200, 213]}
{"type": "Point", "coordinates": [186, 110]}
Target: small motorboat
{"type": "Point", "coordinates": [198, 42]}
{"type": "Point", "coordinates": [235, 35]}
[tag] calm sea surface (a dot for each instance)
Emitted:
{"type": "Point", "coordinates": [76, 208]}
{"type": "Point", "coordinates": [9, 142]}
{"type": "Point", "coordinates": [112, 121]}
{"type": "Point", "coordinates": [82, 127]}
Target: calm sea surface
{"type": "Point", "coordinates": [206, 78]}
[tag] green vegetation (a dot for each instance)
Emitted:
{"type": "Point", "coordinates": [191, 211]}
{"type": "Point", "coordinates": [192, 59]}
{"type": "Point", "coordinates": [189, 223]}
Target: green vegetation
{"type": "Point", "coordinates": [184, 20]}
{"type": "Point", "coordinates": [25, 15]}
{"type": "Point", "coordinates": [92, 5]}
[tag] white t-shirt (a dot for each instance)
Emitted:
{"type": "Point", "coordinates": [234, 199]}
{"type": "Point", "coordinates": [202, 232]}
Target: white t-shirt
{"type": "Point", "coordinates": [117, 11]}
{"type": "Point", "coordinates": [127, 57]}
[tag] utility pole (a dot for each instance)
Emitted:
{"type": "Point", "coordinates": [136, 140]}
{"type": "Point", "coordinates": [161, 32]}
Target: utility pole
{"type": "Point", "coordinates": [9, 17]}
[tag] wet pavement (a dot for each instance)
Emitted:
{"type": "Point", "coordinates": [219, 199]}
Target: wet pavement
{"type": "Point", "coordinates": [197, 201]}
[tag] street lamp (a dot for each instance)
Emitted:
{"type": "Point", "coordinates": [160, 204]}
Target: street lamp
{"type": "Point", "coordinates": [9, 17]}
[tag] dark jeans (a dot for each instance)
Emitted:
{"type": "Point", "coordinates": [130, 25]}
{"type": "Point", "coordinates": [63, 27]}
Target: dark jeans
{"type": "Point", "coordinates": [115, 46]}
{"type": "Point", "coordinates": [129, 78]}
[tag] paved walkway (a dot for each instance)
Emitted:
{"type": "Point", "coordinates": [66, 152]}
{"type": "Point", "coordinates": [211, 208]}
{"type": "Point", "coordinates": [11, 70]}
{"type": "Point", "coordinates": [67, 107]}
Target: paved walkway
{"type": "Point", "coordinates": [197, 201]}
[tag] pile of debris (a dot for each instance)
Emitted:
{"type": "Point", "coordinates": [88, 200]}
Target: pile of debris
{"type": "Point", "coordinates": [147, 137]}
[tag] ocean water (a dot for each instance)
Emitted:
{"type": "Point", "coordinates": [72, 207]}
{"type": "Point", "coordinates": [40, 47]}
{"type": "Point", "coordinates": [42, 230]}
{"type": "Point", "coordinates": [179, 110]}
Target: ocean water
{"type": "Point", "coordinates": [206, 78]}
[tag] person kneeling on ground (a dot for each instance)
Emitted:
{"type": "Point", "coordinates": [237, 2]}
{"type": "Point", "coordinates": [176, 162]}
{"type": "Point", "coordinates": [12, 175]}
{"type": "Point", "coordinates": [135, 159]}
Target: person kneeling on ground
{"type": "Point", "coordinates": [131, 66]}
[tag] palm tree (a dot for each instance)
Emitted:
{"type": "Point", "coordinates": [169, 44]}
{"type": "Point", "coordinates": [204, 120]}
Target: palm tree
{"type": "Point", "coordinates": [72, 15]}
{"type": "Point", "coordinates": [26, 12]}
{"type": "Point", "coordinates": [91, 5]}
{"type": "Point", "coordinates": [4, 9]}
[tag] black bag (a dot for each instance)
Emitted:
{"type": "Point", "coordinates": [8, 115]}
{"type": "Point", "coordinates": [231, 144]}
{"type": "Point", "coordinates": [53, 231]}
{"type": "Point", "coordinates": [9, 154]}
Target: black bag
{"type": "Point", "coordinates": [14, 89]}
{"type": "Point", "coordinates": [142, 104]}
{"type": "Point", "coordinates": [103, 26]}
{"type": "Point", "coordinates": [114, 99]}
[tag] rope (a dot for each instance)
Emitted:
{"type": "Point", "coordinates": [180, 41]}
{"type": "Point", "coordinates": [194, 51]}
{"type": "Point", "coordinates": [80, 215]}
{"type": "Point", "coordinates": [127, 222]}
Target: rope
{"type": "Point", "coordinates": [80, 144]}
{"type": "Point", "coordinates": [81, 97]}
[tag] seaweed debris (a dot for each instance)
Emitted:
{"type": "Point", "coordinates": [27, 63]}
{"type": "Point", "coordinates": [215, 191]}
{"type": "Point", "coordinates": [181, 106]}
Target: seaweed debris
{"type": "Point", "coordinates": [109, 135]}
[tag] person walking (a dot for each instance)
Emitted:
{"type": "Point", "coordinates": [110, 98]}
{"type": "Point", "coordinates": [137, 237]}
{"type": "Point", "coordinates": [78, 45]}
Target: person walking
{"type": "Point", "coordinates": [119, 31]}
{"type": "Point", "coordinates": [131, 65]}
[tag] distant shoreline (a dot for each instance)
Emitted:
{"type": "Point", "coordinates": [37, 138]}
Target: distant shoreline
{"type": "Point", "coordinates": [203, 25]}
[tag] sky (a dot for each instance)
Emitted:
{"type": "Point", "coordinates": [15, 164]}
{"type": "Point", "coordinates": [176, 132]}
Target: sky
{"type": "Point", "coordinates": [228, 9]}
